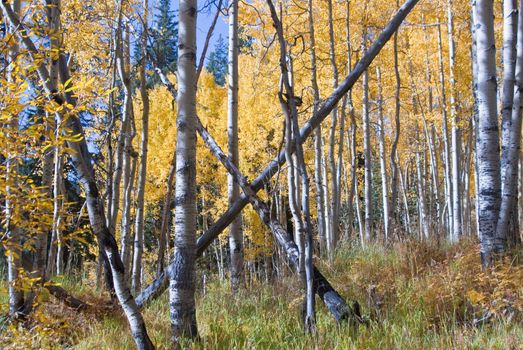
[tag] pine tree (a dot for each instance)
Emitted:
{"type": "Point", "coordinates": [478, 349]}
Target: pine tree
{"type": "Point", "coordinates": [164, 36]}
{"type": "Point", "coordinates": [217, 61]}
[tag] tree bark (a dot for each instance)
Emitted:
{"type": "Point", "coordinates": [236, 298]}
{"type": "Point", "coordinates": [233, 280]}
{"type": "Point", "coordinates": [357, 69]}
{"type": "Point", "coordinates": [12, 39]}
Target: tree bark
{"type": "Point", "coordinates": [182, 283]}
{"type": "Point", "coordinates": [140, 210]}
{"type": "Point", "coordinates": [383, 162]}
{"type": "Point", "coordinates": [367, 153]}
{"type": "Point", "coordinates": [129, 155]}
{"type": "Point", "coordinates": [511, 143]}
{"type": "Point", "coordinates": [318, 149]}
{"type": "Point", "coordinates": [488, 132]}
{"type": "Point", "coordinates": [235, 228]}
{"type": "Point", "coordinates": [444, 131]}
{"type": "Point", "coordinates": [395, 206]}
{"type": "Point", "coordinates": [456, 133]}
{"type": "Point", "coordinates": [13, 233]}
{"type": "Point", "coordinates": [335, 195]}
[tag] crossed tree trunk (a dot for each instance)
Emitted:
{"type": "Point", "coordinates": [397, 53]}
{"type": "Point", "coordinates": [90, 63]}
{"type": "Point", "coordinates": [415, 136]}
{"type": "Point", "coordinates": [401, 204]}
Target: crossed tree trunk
{"type": "Point", "coordinates": [323, 288]}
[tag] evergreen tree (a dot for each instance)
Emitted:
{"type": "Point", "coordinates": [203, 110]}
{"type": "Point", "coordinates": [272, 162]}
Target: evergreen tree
{"type": "Point", "coordinates": [163, 46]}
{"type": "Point", "coordinates": [217, 61]}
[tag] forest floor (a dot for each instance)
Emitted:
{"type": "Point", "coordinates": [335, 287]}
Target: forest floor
{"type": "Point", "coordinates": [415, 296]}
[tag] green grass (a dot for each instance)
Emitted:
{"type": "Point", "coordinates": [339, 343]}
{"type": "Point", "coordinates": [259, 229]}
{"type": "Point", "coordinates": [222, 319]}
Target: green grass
{"type": "Point", "coordinates": [423, 308]}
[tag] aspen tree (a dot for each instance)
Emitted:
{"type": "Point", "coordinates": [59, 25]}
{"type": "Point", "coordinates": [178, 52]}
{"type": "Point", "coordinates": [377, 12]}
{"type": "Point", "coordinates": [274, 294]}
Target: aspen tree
{"type": "Point", "coordinates": [235, 229]}
{"type": "Point", "coordinates": [13, 233]}
{"type": "Point", "coordinates": [140, 210]}
{"type": "Point", "coordinates": [444, 131]}
{"type": "Point", "coordinates": [456, 232]}
{"type": "Point", "coordinates": [489, 176]}
{"type": "Point", "coordinates": [383, 162]}
{"type": "Point", "coordinates": [182, 284]}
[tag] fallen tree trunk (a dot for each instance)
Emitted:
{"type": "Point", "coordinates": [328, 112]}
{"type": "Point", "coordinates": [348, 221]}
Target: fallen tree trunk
{"type": "Point", "coordinates": [158, 286]}
{"type": "Point", "coordinates": [333, 301]}
{"type": "Point", "coordinates": [61, 294]}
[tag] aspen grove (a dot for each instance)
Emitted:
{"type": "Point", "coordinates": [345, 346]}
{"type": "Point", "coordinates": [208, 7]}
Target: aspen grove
{"type": "Point", "coordinates": [291, 174]}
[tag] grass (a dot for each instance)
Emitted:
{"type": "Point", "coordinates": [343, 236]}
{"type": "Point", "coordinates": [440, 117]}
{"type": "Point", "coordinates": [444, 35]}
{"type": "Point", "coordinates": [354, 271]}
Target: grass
{"type": "Point", "coordinates": [416, 296]}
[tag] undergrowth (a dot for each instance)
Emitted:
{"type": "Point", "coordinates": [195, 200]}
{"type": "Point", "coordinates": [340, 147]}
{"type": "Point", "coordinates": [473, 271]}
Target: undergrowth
{"type": "Point", "coordinates": [415, 295]}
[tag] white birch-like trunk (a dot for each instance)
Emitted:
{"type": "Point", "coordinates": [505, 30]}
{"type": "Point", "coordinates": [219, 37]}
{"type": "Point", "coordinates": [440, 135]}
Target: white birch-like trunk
{"type": "Point", "coordinates": [456, 133]}
{"type": "Point", "coordinates": [182, 283]}
{"type": "Point", "coordinates": [129, 155]}
{"type": "Point", "coordinates": [291, 114]}
{"type": "Point", "coordinates": [140, 206]}
{"type": "Point", "coordinates": [13, 234]}
{"type": "Point", "coordinates": [367, 154]}
{"type": "Point", "coordinates": [511, 145]}
{"type": "Point", "coordinates": [335, 195]}
{"type": "Point", "coordinates": [235, 228]}
{"type": "Point", "coordinates": [394, 167]}
{"type": "Point", "coordinates": [318, 149]}
{"type": "Point", "coordinates": [488, 158]}
{"type": "Point", "coordinates": [445, 133]}
{"type": "Point", "coordinates": [383, 161]}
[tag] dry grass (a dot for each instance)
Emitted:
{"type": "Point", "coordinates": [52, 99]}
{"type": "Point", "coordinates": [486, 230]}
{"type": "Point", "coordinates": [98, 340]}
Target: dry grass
{"type": "Point", "coordinates": [416, 295]}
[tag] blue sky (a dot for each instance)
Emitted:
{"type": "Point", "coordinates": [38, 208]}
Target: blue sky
{"type": "Point", "coordinates": [205, 18]}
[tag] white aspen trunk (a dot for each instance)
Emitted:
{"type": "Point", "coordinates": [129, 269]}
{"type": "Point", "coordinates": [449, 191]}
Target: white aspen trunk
{"type": "Point", "coordinates": [423, 220]}
{"type": "Point", "coordinates": [383, 162]}
{"type": "Point", "coordinates": [429, 137]}
{"type": "Point", "coordinates": [367, 153]}
{"type": "Point", "coordinates": [291, 113]}
{"type": "Point", "coordinates": [444, 131]}
{"type": "Point", "coordinates": [117, 175]}
{"type": "Point", "coordinates": [349, 103]}
{"type": "Point", "coordinates": [474, 59]}
{"type": "Point", "coordinates": [395, 206]}
{"type": "Point", "coordinates": [456, 133]}
{"type": "Point", "coordinates": [57, 206]}
{"type": "Point", "coordinates": [292, 194]}
{"type": "Point", "coordinates": [13, 233]}
{"type": "Point", "coordinates": [511, 149]}
{"type": "Point", "coordinates": [125, 231]}
{"type": "Point", "coordinates": [510, 32]}
{"type": "Point", "coordinates": [124, 144]}
{"type": "Point", "coordinates": [466, 182]}
{"type": "Point", "coordinates": [235, 229]}
{"type": "Point", "coordinates": [335, 196]}
{"type": "Point", "coordinates": [140, 205]}
{"type": "Point", "coordinates": [40, 256]}
{"type": "Point", "coordinates": [436, 177]}
{"type": "Point", "coordinates": [166, 218]}
{"type": "Point", "coordinates": [405, 201]}
{"type": "Point", "coordinates": [420, 169]}
{"type": "Point", "coordinates": [488, 133]}
{"type": "Point", "coordinates": [326, 199]}
{"type": "Point", "coordinates": [182, 284]}
{"type": "Point", "coordinates": [129, 156]}
{"type": "Point", "coordinates": [318, 149]}
{"type": "Point", "coordinates": [361, 224]}
{"type": "Point", "coordinates": [55, 251]}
